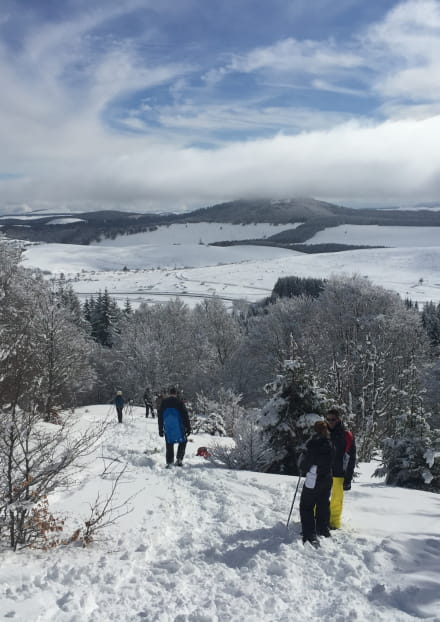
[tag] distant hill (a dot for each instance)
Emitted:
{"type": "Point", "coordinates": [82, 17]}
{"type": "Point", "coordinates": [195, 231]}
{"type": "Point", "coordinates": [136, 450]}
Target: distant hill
{"type": "Point", "coordinates": [274, 211]}
{"type": "Point", "coordinates": [313, 215]}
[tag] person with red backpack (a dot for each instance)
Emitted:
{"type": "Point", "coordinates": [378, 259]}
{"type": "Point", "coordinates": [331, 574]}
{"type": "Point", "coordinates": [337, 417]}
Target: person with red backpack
{"type": "Point", "coordinates": [343, 464]}
{"type": "Point", "coordinates": [174, 424]}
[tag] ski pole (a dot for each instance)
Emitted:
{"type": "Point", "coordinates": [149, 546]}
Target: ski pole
{"type": "Point", "coordinates": [294, 497]}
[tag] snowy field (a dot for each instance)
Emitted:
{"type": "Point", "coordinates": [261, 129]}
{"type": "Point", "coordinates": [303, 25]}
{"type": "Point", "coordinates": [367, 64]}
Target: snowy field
{"type": "Point", "coordinates": [204, 544]}
{"type": "Point", "coordinates": [198, 233]}
{"type": "Point", "coordinates": [192, 271]}
{"type": "Point", "coordinates": [370, 235]}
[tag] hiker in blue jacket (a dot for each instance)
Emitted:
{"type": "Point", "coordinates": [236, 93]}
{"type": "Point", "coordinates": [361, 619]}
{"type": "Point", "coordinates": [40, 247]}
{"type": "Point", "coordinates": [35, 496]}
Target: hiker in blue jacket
{"type": "Point", "coordinates": [175, 425]}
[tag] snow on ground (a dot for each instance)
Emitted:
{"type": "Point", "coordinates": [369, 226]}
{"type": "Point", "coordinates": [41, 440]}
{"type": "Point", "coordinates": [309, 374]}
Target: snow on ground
{"type": "Point", "coordinates": [72, 258]}
{"type": "Point", "coordinates": [375, 235]}
{"type": "Point", "coordinates": [177, 261]}
{"type": "Point", "coordinates": [198, 233]}
{"type": "Point", "coordinates": [248, 272]}
{"type": "Point", "coordinates": [205, 544]}
{"type": "Point", "coordinates": [64, 221]}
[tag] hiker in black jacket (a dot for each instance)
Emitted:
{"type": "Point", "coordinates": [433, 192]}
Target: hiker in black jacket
{"type": "Point", "coordinates": [175, 425]}
{"type": "Point", "coordinates": [316, 466]}
{"type": "Point", "coordinates": [148, 401]}
{"type": "Point", "coordinates": [343, 464]}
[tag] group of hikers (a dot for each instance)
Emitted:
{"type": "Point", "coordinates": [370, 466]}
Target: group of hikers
{"type": "Point", "coordinates": [327, 463]}
{"type": "Point", "coordinates": [172, 418]}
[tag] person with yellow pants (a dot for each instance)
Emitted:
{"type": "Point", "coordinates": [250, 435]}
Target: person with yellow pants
{"type": "Point", "coordinates": [343, 464]}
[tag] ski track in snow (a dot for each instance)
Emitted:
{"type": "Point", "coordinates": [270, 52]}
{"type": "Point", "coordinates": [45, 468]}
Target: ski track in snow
{"type": "Point", "coordinates": [205, 544]}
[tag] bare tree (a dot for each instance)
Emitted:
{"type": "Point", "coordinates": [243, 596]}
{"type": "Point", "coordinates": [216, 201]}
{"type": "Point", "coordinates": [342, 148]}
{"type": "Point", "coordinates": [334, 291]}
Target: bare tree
{"type": "Point", "coordinates": [36, 458]}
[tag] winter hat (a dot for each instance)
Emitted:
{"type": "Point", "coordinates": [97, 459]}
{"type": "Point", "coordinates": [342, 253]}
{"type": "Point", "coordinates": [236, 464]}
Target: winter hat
{"type": "Point", "coordinates": [118, 392]}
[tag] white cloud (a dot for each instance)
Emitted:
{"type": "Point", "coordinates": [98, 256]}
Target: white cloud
{"type": "Point", "coordinates": [290, 55]}
{"type": "Point", "coordinates": [374, 163]}
{"type": "Point", "coordinates": [405, 51]}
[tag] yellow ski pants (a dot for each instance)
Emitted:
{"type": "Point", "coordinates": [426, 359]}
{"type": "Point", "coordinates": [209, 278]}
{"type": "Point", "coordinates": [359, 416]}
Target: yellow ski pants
{"type": "Point", "coordinates": [336, 502]}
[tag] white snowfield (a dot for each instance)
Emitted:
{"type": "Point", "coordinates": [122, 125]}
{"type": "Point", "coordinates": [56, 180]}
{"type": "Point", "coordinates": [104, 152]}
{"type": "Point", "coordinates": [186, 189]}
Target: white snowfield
{"type": "Point", "coordinates": [375, 235]}
{"type": "Point", "coordinates": [198, 233]}
{"type": "Point", "coordinates": [246, 272]}
{"type": "Point", "coordinates": [205, 544]}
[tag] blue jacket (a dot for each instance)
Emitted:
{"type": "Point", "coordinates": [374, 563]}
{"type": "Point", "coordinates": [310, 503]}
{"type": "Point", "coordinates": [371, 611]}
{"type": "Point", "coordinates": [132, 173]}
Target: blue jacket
{"type": "Point", "coordinates": [173, 420]}
{"type": "Point", "coordinates": [119, 401]}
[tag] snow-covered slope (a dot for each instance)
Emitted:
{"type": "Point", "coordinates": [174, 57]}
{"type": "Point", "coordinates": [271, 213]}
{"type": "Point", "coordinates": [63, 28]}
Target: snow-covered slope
{"type": "Point", "coordinates": [373, 235]}
{"type": "Point", "coordinates": [198, 233]}
{"type": "Point", "coordinates": [176, 261]}
{"type": "Point", "coordinates": [238, 272]}
{"type": "Point", "coordinates": [204, 544]}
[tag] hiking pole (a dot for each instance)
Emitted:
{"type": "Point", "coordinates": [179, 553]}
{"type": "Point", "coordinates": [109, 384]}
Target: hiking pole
{"type": "Point", "coordinates": [294, 497]}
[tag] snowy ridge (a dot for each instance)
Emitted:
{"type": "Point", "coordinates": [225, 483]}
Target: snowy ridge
{"type": "Point", "coordinates": [207, 544]}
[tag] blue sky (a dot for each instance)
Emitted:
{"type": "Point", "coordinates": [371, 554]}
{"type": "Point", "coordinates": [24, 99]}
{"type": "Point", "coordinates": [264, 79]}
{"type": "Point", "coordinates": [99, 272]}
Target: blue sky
{"type": "Point", "coordinates": [170, 105]}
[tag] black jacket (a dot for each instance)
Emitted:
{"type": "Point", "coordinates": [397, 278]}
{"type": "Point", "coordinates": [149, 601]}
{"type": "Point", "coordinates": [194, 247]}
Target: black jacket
{"type": "Point", "coordinates": [319, 451]}
{"type": "Point", "coordinates": [339, 441]}
{"type": "Point", "coordinates": [174, 402]}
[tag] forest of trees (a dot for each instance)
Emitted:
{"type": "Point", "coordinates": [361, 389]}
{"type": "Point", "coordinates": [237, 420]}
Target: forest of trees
{"type": "Point", "coordinates": [256, 373]}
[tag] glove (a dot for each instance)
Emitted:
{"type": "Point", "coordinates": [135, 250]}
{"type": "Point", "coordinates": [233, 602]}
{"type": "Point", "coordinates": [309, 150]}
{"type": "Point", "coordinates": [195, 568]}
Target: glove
{"type": "Point", "coordinates": [188, 432]}
{"type": "Point", "coordinates": [160, 433]}
{"type": "Point", "coordinates": [347, 486]}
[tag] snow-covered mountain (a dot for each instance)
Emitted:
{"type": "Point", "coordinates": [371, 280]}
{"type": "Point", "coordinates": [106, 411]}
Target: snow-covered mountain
{"type": "Point", "coordinates": [205, 544]}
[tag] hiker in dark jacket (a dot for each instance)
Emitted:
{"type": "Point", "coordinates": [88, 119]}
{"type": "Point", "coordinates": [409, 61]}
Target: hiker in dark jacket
{"type": "Point", "coordinates": [175, 425]}
{"type": "Point", "coordinates": [119, 404]}
{"type": "Point", "coordinates": [316, 466]}
{"type": "Point", "coordinates": [343, 464]}
{"type": "Point", "coordinates": [148, 401]}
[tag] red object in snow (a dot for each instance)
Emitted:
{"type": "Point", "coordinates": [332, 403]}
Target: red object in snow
{"type": "Point", "coordinates": [204, 452]}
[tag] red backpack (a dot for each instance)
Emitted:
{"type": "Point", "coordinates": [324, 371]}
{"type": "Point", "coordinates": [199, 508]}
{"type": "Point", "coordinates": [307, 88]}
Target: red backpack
{"type": "Point", "coordinates": [204, 452]}
{"type": "Point", "coordinates": [348, 444]}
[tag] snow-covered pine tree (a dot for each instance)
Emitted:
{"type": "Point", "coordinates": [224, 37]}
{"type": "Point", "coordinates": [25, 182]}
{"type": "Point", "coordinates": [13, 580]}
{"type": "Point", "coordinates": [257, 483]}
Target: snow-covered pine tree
{"type": "Point", "coordinates": [411, 452]}
{"type": "Point", "coordinates": [411, 458]}
{"type": "Point", "coordinates": [286, 420]}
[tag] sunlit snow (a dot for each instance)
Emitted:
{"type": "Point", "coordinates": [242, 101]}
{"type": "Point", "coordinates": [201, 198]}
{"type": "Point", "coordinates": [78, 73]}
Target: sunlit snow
{"type": "Point", "coordinates": [205, 544]}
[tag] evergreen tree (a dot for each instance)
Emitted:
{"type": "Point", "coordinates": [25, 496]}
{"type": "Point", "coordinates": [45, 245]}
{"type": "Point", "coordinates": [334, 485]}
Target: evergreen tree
{"type": "Point", "coordinates": [286, 420]}
{"type": "Point", "coordinates": [289, 286]}
{"type": "Point", "coordinates": [411, 458]}
{"type": "Point", "coordinates": [128, 309]}
{"type": "Point", "coordinates": [103, 316]}
{"type": "Point", "coordinates": [411, 451]}
{"type": "Point", "coordinates": [431, 323]}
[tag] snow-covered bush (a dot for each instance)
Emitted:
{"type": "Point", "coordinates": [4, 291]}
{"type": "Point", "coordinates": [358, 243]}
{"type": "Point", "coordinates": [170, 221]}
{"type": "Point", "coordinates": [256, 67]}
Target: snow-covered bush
{"type": "Point", "coordinates": [217, 415]}
{"type": "Point", "coordinates": [207, 417]}
{"type": "Point", "coordinates": [250, 450]}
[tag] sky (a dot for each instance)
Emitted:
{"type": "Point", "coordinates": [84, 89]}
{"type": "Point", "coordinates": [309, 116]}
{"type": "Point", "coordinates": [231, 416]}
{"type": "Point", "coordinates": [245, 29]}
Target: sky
{"type": "Point", "coordinates": [174, 105]}
{"type": "Point", "coordinates": [205, 544]}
